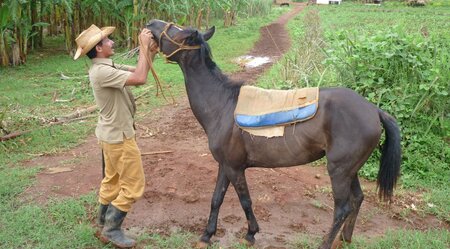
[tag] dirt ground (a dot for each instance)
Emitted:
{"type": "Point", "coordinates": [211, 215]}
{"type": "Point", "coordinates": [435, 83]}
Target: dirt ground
{"type": "Point", "coordinates": [179, 183]}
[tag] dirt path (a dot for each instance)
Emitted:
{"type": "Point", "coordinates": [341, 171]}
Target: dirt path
{"type": "Point", "coordinates": [179, 187]}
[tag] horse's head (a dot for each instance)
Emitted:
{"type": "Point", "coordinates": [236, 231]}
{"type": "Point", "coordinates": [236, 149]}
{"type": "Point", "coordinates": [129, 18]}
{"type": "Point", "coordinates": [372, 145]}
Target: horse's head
{"type": "Point", "coordinates": [174, 40]}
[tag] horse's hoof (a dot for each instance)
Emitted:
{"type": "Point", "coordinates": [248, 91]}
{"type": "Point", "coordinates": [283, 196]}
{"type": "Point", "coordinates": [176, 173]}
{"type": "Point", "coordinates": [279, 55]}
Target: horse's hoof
{"type": "Point", "coordinates": [201, 245]}
{"type": "Point", "coordinates": [337, 244]}
{"type": "Point", "coordinates": [246, 242]}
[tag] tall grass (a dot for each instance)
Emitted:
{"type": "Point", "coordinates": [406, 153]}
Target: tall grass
{"type": "Point", "coordinates": [302, 65]}
{"type": "Point", "coordinates": [257, 7]}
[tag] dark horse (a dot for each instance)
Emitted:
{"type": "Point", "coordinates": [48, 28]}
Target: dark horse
{"type": "Point", "coordinates": [346, 129]}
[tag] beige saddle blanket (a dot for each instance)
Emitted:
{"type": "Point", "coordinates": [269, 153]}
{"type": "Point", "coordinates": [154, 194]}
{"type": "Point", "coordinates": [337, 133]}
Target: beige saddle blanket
{"type": "Point", "coordinates": [257, 101]}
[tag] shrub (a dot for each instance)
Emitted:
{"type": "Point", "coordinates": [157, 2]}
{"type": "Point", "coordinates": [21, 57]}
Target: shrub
{"type": "Point", "coordinates": [407, 76]}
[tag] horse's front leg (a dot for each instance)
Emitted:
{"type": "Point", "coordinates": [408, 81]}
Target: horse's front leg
{"type": "Point", "coordinates": [237, 178]}
{"type": "Point", "coordinates": [222, 184]}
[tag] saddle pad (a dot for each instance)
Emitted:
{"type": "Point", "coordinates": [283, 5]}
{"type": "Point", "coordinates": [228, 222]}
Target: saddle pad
{"type": "Point", "coordinates": [264, 112]}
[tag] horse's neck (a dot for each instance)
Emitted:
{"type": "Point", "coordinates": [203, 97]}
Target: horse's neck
{"type": "Point", "coordinates": [211, 100]}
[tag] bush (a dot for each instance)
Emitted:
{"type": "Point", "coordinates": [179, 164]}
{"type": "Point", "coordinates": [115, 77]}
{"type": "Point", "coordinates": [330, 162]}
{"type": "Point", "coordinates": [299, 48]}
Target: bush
{"type": "Point", "coordinates": [407, 76]}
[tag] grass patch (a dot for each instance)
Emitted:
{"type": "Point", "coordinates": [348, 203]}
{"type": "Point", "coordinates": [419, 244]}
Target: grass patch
{"type": "Point", "coordinates": [59, 224]}
{"type": "Point", "coordinates": [401, 239]}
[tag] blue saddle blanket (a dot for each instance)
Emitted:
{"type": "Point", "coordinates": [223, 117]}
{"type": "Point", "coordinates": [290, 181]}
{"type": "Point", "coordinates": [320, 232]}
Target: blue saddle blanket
{"type": "Point", "coordinates": [261, 108]}
{"type": "Point", "coordinates": [277, 118]}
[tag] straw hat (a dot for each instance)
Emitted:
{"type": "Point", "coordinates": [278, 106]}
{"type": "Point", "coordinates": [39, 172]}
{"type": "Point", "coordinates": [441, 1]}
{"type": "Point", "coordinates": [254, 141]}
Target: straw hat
{"type": "Point", "coordinates": [89, 38]}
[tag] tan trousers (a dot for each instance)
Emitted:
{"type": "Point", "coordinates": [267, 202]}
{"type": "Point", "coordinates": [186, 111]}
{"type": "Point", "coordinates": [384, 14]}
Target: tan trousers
{"type": "Point", "coordinates": [124, 179]}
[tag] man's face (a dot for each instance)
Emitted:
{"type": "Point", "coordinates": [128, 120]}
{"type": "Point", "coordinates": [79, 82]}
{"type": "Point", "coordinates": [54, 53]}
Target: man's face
{"type": "Point", "coordinates": [106, 49]}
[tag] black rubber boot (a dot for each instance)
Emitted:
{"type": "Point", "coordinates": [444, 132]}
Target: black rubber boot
{"type": "Point", "coordinates": [101, 215]}
{"type": "Point", "coordinates": [100, 219]}
{"type": "Point", "coordinates": [112, 233]}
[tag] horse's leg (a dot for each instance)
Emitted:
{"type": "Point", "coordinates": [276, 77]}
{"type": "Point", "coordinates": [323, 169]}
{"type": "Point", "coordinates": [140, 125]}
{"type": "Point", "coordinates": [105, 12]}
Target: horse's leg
{"type": "Point", "coordinates": [340, 182]}
{"type": "Point", "coordinates": [237, 178]}
{"type": "Point", "coordinates": [357, 198]}
{"type": "Point", "coordinates": [222, 184]}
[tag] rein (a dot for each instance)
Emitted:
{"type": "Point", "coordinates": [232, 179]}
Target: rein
{"type": "Point", "coordinates": [155, 76]}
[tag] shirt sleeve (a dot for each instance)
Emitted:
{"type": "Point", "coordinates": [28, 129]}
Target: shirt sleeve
{"type": "Point", "coordinates": [112, 77]}
{"type": "Point", "coordinates": [124, 67]}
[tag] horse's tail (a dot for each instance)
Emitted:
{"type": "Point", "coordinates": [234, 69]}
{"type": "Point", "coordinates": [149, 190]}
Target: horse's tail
{"type": "Point", "coordinates": [390, 157]}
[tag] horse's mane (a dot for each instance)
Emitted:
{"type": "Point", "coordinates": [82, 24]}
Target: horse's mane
{"type": "Point", "coordinates": [207, 59]}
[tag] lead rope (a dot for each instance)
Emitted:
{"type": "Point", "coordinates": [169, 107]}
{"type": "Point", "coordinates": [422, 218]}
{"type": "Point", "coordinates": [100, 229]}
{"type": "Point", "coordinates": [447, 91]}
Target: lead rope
{"type": "Point", "coordinates": [155, 76]}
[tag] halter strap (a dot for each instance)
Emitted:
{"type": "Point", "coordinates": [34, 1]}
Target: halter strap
{"type": "Point", "coordinates": [181, 46]}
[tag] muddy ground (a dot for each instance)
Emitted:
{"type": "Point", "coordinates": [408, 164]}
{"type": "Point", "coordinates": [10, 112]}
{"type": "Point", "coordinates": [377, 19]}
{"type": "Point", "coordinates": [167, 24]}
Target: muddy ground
{"type": "Point", "coordinates": [180, 182]}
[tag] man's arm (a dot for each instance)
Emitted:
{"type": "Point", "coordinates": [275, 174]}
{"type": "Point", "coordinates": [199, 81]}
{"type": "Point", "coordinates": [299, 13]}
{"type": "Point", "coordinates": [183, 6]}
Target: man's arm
{"type": "Point", "coordinates": [139, 75]}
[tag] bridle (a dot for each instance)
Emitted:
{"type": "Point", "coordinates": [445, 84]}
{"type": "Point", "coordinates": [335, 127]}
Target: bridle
{"type": "Point", "coordinates": [181, 46]}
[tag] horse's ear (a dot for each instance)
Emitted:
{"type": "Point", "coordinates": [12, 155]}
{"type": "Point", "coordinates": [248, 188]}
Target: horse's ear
{"type": "Point", "coordinates": [191, 35]}
{"type": "Point", "coordinates": [209, 33]}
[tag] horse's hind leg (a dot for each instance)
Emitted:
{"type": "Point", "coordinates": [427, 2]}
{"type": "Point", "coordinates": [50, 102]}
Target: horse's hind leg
{"type": "Point", "coordinates": [237, 178]}
{"type": "Point", "coordinates": [357, 198]}
{"type": "Point", "coordinates": [340, 182]}
{"type": "Point", "coordinates": [222, 184]}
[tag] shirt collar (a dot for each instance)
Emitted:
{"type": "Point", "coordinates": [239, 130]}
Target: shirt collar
{"type": "Point", "coordinates": [106, 61]}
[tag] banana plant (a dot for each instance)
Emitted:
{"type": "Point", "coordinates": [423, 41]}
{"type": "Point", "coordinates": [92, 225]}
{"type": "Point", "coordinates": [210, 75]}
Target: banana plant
{"type": "Point", "coordinates": [124, 13]}
{"type": "Point", "coordinates": [5, 34]}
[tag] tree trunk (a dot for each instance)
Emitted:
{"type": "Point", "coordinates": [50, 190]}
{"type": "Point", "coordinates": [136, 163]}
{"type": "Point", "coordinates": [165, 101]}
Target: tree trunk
{"type": "Point", "coordinates": [3, 53]}
{"type": "Point", "coordinates": [53, 22]}
{"type": "Point", "coordinates": [135, 27]}
{"type": "Point", "coordinates": [40, 35]}
{"type": "Point", "coordinates": [68, 33]}
{"type": "Point", "coordinates": [76, 21]}
{"type": "Point", "coordinates": [15, 54]}
{"type": "Point", "coordinates": [199, 19]}
{"type": "Point", "coordinates": [34, 19]}
{"type": "Point", "coordinates": [208, 12]}
{"type": "Point", "coordinates": [192, 17]}
{"type": "Point", "coordinates": [17, 47]}
{"type": "Point", "coordinates": [25, 36]}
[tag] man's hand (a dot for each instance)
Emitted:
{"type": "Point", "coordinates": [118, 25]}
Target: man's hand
{"type": "Point", "coordinates": [146, 44]}
{"type": "Point", "coordinates": [153, 46]}
{"type": "Point", "coordinates": [145, 38]}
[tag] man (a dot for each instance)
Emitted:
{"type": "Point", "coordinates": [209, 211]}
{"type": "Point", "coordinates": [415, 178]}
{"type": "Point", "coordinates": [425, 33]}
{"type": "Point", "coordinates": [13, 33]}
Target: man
{"type": "Point", "coordinates": [123, 181]}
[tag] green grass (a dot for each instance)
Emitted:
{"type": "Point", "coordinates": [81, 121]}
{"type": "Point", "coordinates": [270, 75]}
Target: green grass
{"type": "Point", "coordinates": [399, 239]}
{"type": "Point", "coordinates": [59, 224]}
{"type": "Point", "coordinates": [26, 104]}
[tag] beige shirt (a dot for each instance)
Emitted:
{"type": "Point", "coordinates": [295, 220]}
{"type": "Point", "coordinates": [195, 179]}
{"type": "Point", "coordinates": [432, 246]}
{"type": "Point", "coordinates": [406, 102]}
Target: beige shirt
{"type": "Point", "coordinates": [114, 99]}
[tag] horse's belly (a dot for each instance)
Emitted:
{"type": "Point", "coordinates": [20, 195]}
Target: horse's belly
{"type": "Point", "coordinates": [283, 152]}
